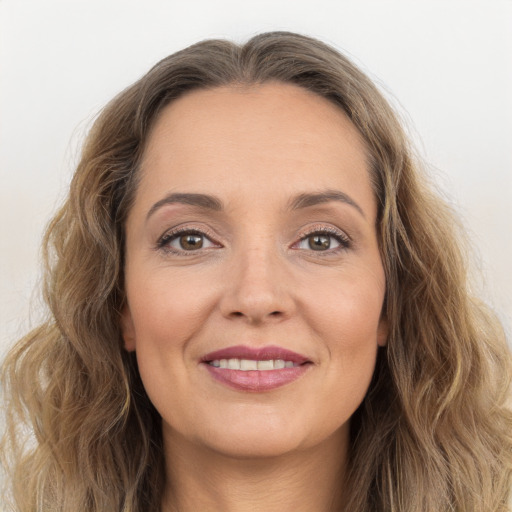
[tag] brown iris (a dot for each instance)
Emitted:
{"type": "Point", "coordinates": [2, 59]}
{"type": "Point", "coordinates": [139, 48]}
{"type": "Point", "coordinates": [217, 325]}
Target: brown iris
{"type": "Point", "coordinates": [190, 242]}
{"type": "Point", "coordinates": [319, 242]}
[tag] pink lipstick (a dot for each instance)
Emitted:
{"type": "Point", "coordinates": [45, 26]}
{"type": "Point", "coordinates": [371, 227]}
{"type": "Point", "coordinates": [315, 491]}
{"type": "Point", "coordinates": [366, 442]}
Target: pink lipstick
{"type": "Point", "coordinates": [255, 369]}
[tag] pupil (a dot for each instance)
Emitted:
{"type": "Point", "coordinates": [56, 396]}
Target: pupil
{"type": "Point", "coordinates": [319, 242]}
{"type": "Point", "coordinates": [189, 242]}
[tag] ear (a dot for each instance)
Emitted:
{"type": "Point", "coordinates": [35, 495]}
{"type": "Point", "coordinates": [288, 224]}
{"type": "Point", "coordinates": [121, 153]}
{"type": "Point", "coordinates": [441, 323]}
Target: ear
{"type": "Point", "coordinates": [382, 332]}
{"type": "Point", "coordinates": [127, 329]}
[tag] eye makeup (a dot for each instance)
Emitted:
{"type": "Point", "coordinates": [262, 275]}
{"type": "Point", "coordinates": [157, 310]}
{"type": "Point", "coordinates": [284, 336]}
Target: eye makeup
{"type": "Point", "coordinates": [319, 240]}
{"type": "Point", "coordinates": [191, 239]}
{"type": "Point", "coordinates": [187, 240]}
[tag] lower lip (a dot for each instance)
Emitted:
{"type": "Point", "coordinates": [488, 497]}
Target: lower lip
{"type": "Point", "coordinates": [257, 381]}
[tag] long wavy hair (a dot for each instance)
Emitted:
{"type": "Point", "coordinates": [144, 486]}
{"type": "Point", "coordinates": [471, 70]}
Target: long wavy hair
{"type": "Point", "coordinates": [433, 433]}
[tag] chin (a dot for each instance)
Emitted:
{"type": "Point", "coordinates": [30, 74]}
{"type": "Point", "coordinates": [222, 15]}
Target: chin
{"type": "Point", "coordinates": [251, 437]}
{"type": "Point", "coordinates": [253, 445]}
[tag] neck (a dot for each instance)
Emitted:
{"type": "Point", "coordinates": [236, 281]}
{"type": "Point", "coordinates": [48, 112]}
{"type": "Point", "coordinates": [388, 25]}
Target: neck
{"type": "Point", "coordinates": [201, 479]}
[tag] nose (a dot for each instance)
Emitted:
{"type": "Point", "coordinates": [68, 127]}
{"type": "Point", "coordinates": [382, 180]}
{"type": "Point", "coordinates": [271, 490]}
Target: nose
{"type": "Point", "coordinates": [258, 288]}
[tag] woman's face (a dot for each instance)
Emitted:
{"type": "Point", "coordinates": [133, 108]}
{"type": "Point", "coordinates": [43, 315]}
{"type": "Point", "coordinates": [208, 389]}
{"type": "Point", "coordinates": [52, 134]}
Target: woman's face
{"type": "Point", "coordinates": [252, 244]}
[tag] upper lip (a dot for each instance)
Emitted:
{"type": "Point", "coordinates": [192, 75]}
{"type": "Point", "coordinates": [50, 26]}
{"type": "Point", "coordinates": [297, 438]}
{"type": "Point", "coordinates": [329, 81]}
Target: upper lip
{"type": "Point", "coordinates": [255, 353]}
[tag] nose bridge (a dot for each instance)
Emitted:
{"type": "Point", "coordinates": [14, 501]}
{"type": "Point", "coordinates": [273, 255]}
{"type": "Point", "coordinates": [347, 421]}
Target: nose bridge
{"type": "Point", "coordinates": [257, 287]}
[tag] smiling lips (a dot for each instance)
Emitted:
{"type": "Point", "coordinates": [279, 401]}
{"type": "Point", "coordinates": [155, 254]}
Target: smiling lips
{"type": "Point", "coordinates": [255, 369]}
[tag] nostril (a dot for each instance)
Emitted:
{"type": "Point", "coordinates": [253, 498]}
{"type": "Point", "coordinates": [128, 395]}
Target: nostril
{"type": "Point", "coordinates": [256, 318]}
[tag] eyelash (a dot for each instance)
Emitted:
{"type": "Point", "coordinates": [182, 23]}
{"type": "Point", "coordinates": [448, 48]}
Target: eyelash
{"type": "Point", "coordinates": [340, 237]}
{"type": "Point", "coordinates": [164, 241]}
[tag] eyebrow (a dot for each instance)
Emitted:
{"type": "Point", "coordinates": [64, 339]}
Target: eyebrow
{"type": "Point", "coordinates": [209, 202]}
{"type": "Point", "coordinates": [313, 199]}
{"type": "Point", "coordinates": [201, 200]}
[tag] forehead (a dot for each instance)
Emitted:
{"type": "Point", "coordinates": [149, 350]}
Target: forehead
{"type": "Point", "coordinates": [271, 137]}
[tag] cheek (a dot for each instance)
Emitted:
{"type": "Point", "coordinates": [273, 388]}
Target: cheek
{"type": "Point", "coordinates": [346, 317]}
{"type": "Point", "coordinates": [168, 309]}
{"type": "Point", "coordinates": [348, 306]}
{"type": "Point", "coordinates": [166, 318]}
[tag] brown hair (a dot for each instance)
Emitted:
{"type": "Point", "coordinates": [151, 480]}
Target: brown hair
{"type": "Point", "coordinates": [432, 434]}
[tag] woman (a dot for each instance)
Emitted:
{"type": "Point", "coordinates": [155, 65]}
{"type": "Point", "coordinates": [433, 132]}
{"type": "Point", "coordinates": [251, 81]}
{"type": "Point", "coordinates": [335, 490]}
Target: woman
{"type": "Point", "coordinates": [257, 304]}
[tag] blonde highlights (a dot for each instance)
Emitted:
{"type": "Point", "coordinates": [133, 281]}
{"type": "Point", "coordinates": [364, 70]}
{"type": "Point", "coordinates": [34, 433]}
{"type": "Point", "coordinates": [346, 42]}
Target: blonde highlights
{"type": "Point", "coordinates": [434, 431]}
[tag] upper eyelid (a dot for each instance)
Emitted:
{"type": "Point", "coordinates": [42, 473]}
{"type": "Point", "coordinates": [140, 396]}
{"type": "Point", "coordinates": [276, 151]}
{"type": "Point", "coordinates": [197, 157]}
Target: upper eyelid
{"type": "Point", "coordinates": [187, 228]}
{"type": "Point", "coordinates": [323, 228]}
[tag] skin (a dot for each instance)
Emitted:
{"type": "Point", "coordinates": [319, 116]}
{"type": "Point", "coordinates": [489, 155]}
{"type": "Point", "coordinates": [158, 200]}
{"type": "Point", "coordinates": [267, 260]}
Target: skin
{"type": "Point", "coordinates": [255, 281]}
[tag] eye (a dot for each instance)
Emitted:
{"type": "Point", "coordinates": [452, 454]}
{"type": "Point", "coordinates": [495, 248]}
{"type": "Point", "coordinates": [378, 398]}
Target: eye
{"type": "Point", "coordinates": [323, 241]}
{"type": "Point", "coordinates": [187, 240]}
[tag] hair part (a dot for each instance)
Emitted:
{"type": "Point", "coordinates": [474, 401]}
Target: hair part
{"type": "Point", "coordinates": [433, 432]}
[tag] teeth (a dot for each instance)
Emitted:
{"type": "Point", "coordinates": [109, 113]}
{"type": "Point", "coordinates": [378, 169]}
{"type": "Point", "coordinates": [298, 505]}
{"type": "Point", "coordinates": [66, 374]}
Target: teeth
{"type": "Point", "coordinates": [234, 364]}
{"type": "Point", "coordinates": [250, 364]}
{"type": "Point", "coordinates": [264, 365]}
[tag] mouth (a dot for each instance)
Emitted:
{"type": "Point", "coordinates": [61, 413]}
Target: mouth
{"type": "Point", "coordinates": [255, 369]}
{"type": "Point", "coordinates": [246, 365]}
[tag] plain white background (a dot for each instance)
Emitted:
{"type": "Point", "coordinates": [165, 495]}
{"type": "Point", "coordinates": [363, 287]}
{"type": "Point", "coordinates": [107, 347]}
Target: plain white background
{"type": "Point", "coordinates": [445, 64]}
